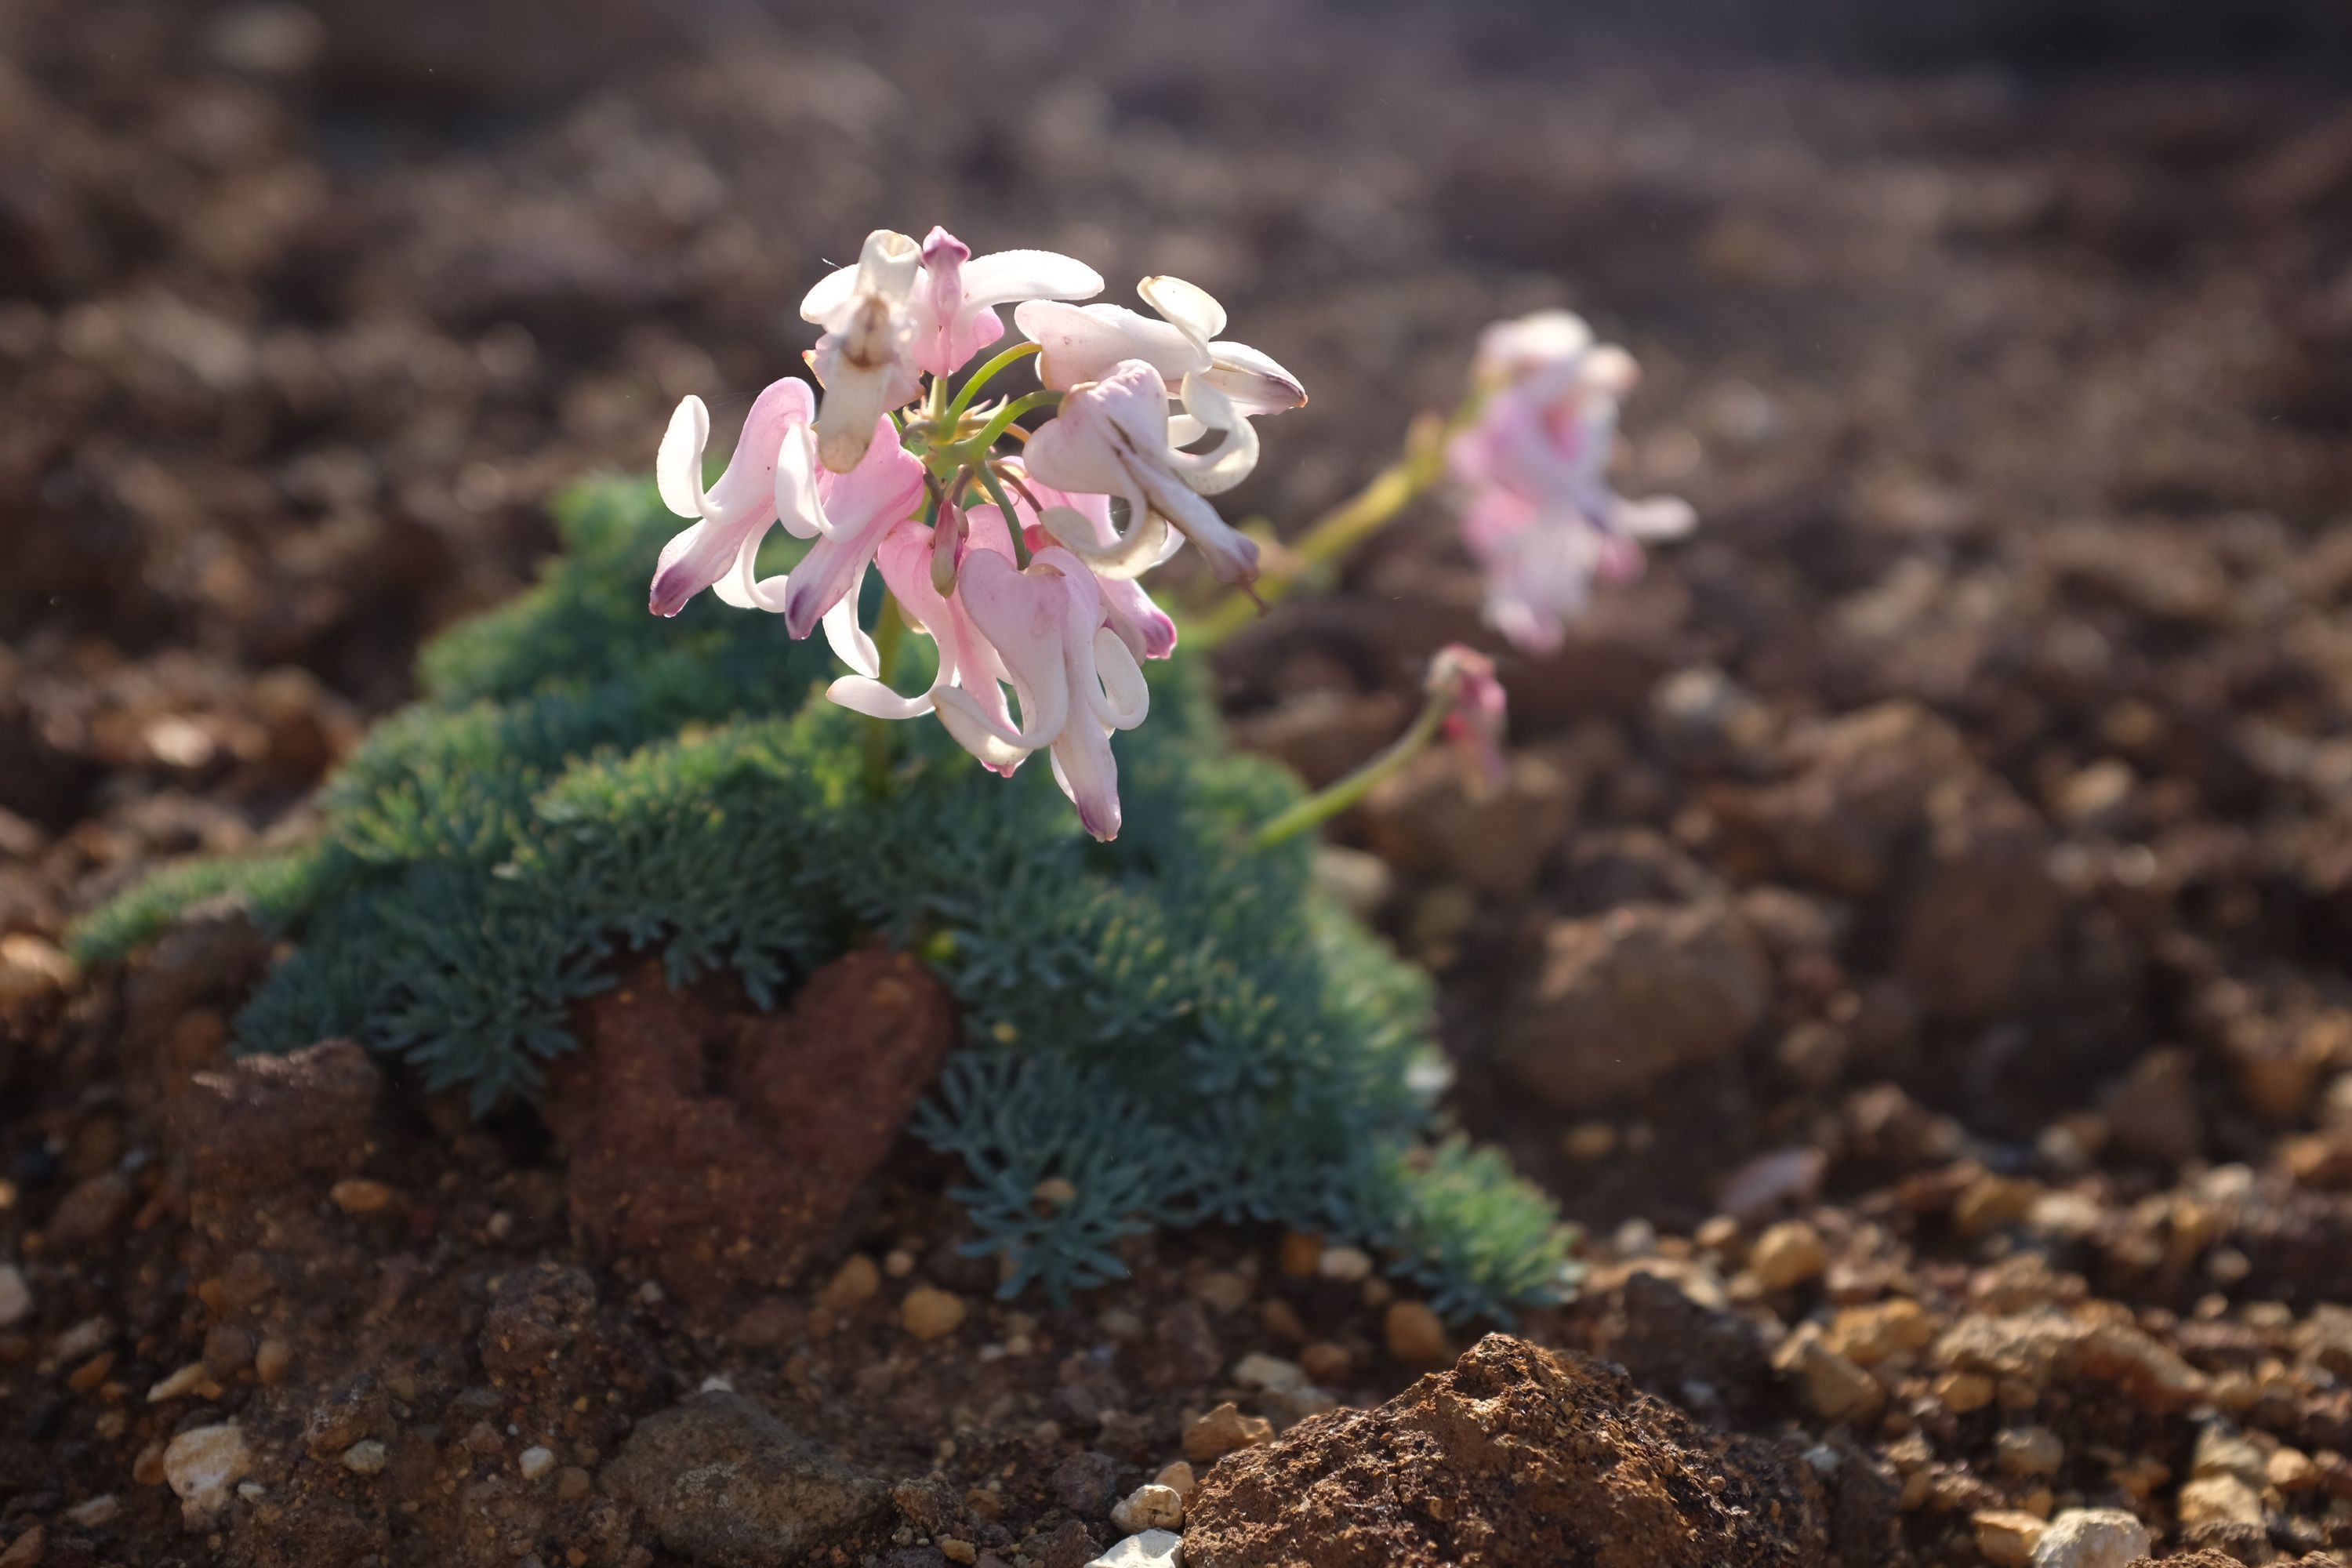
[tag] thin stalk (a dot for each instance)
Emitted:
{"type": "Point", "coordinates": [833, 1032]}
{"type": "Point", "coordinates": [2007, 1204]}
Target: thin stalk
{"type": "Point", "coordinates": [1334, 798]}
{"type": "Point", "coordinates": [976, 450]}
{"type": "Point", "coordinates": [1340, 530]}
{"type": "Point", "coordinates": [980, 377]}
{"type": "Point", "coordinates": [1012, 518]}
{"type": "Point", "coordinates": [889, 632]}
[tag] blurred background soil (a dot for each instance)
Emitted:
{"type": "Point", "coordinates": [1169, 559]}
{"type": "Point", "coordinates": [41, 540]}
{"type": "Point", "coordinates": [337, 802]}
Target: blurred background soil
{"type": "Point", "coordinates": [1948, 850]}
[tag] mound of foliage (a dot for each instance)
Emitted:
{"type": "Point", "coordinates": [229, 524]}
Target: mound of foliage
{"type": "Point", "coordinates": [1176, 1023]}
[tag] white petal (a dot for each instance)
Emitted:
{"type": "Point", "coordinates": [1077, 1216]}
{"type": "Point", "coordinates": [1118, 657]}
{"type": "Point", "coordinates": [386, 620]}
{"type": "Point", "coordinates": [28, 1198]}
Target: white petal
{"type": "Point", "coordinates": [677, 468]}
{"type": "Point", "coordinates": [1088, 342]}
{"type": "Point", "coordinates": [797, 502]}
{"type": "Point", "coordinates": [1125, 697]}
{"type": "Point", "coordinates": [864, 694]}
{"type": "Point", "coordinates": [831, 293]}
{"type": "Point", "coordinates": [1229, 462]}
{"type": "Point", "coordinates": [1653, 516]}
{"type": "Point", "coordinates": [1255, 381]}
{"type": "Point", "coordinates": [736, 587]}
{"type": "Point", "coordinates": [975, 732]}
{"type": "Point", "coordinates": [850, 643]}
{"type": "Point", "coordinates": [1128, 556]}
{"type": "Point", "coordinates": [1192, 309]}
{"type": "Point", "coordinates": [1010, 276]}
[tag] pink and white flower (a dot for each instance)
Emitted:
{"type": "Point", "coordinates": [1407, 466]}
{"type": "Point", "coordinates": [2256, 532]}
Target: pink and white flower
{"type": "Point", "coordinates": [732, 516]}
{"type": "Point", "coordinates": [1074, 678]}
{"type": "Point", "coordinates": [1538, 513]}
{"type": "Point", "coordinates": [907, 311]}
{"type": "Point", "coordinates": [1478, 708]}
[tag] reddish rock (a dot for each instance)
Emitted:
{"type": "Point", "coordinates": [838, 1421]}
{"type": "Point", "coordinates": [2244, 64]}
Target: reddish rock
{"type": "Point", "coordinates": [1516, 1456]}
{"type": "Point", "coordinates": [722, 1147]}
{"type": "Point", "coordinates": [1634, 996]}
{"type": "Point", "coordinates": [262, 1123]}
{"type": "Point", "coordinates": [1982, 911]}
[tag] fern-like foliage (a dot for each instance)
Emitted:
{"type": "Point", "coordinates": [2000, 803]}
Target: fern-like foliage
{"type": "Point", "coordinates": [1175, 1025]}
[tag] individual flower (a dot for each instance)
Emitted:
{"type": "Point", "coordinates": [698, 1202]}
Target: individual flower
{"type": "Point", "coordinates": [1149, 631]}
{"type": "Point", "coordinates": [1112, 437]}
{"type": "Point", "coordinates": [847, 514]}
{"type": "Point", "coordinates": [1084, 344]}
{"type": "Point", "coordinates": [732, 515]}
{"type": "Point", "coordinates": [966, 658]}
{"type": "Point", "coordinates": [1538, 513]}
{"type": "Point", "coordinates": [1476, 709]}
{"type": "Point", "coordinates": [906, 311]}
{"type": "Point", "coordinates": [1074, 678]}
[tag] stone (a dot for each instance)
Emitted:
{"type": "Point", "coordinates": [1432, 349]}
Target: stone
{"type": "Point", "coordinates": [263, 1123]}
{"type": "Point", "coordinates": [722, 1480]}
{"type": "Point", "coordinates": [1430, 820]}
{"type": "Point", "coordinates": [1325, 1361]}
{"type": "Point", "coordinates": [1068, 1544]}
{"type": "Point", "coordinates": [855, 1283]}
{"type": "Point", "coordinates": [1177, 1478]}
{"type": "Point", "coordinates": [1833, 1387]}
{"type": "Point", "coordinates": [1348, 1264]}
{"type": "Point", "coordinates": [2152, 1375]}
{"type": "Point", "coordinates": [1982, 909]}
{"type": "Point", "coordinates": [28, 1550]}
{"type": "Point", "coordinates": [89, 1213]}
{"type": "Point", "coordinates": [2153, 1110]}
{"type": "Point", "coordinates": [201, 1465]}
{"type": "Point", "coordinates": [2092, 1538]}
{"type": "Point", "coordinates": [930, 1313]}
{"type": "Point", "coordinates": [1626, 1000]}
{"type": "Point", "coordinates": [359, 1194]}
{"type": "Point", "coordinates": [1152, 1549]}
{"type": "Point", "coordinates": [1269, 1372]}
{"type": "Point", "coordinates": [1788, 1255]}
{"type": "Point", "coordinates": [722, 1146]}
{"type": "Point", "coordinates": [2218, 1499]}
{"type": "Point", "coordinates": [16, 1296]}
{"type": "Point", "coordinates": [535, 1461]}
{"type": "Point", "coordinates": [187, 1380]}
{"type": "Point", "coordinates": [537, 1314]}
{"type": "Point", "coordinates": [1868, 1335]}
{"type": "Point", "coordinates": [1514, 1455]}
{"type": "Point", "coordinates": [2029, 1451]}
{"type": "Point", "coordinates": [1772, 1184]}
{"type": "Point", "coordinates": [367, 1457]}
{"type": "Point", "coordinates": [1083, 1483]}
{"type": "Point", "coordinates": [1223, 1431]}
{"type": "Point", "coordinates": [1415, 1334]}
{"type": "Point", "coordinates": [2006, 1537]}
{"type": "Point", "coordinates": [1149, 1507]}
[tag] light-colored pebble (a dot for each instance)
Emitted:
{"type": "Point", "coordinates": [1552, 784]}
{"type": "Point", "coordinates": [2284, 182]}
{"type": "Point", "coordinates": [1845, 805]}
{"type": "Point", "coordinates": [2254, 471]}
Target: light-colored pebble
{"type": "Point", "coordinates": [1152, 1549]}
{"type": "Point", "coordinates": [2029, 1450]}
{"type": "Point", "coordinates": [359, 1194]}
{"type": "Point", "coordinates": [273, 1361]}
{"type": "Point", "coordinates": [1149, 1507]}
{"type": "Point", "coordinates": [1222, 1290]}
{"type": "Point", "coordinates": [1787, 1255]}
{"type": "Point", "coordinates": [365, 1458]}
{"type": "Point", "coordinates": [185, 1381]}
{"type": "Point", "coordinates": [16, 1296]}
{"type": "Point", "coordinates": [99, 1509]}
{"type": "Point", "coordinates": [1178, 1477]}
{"type": "Point", "coordinates": [1223, 1430]}
{"type": "Point", "coordinates": [535, 1461]}
{"type": "Point", "coordinates": [1345, 1263]}
{"type": "Point", "coordinates": [201, 1465]}
{"type": "Point", "coordinates": [2092, 1538]}
{"type": "Point", "coordinates": [929, 1312]}
{"type": "Point", "coordinates": [1269, 1372]}
{"type": "Point", "coordinates": [853, 1284]}
{"type": "Point", "coordinates": [1415, 1334]}
{"type": "Point", "coordinates": [2006, 1538]}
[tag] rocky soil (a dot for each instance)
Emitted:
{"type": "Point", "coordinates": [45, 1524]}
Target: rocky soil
{"type": "Point", "coordinates": [1910, 937]}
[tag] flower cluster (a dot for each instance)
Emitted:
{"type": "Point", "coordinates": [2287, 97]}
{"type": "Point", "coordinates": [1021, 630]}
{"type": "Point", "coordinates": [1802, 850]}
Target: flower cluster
{"type": "Point", "coordinates": [1020, 562]}
{"type": "Point", "coordinates": [1537, 512]}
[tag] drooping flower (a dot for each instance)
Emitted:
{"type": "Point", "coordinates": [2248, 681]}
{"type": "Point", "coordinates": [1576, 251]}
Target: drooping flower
{"type": "Point", "coordinates": [1074, 678]}
{"type": "Point", "coordinates": [966, 658]}
{"type": "Point", "coordinates": [1112, 437]}
{"type": "Point", "coordinates": [1085, 343]}
{"type": "Point", "coordinates": [1149, 631]}
{"type": "Point", "coordinates": [905, 311]}
{"type": "Point", "coordinates": [847, 514]}
{"type": "Point", "coordinates": [1478, 708]}
{"type": "Point", "coordinates": [734, 513]}
{"type": "Point", "coordinates": [1538, 513]}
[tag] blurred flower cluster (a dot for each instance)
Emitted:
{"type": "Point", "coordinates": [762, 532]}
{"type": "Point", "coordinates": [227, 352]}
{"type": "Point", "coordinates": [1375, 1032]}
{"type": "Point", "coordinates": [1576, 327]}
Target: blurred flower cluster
{"type": "Point", "coordinates": [1532, 469]}
{"type": "Point", "coordinates": [1017, 553]}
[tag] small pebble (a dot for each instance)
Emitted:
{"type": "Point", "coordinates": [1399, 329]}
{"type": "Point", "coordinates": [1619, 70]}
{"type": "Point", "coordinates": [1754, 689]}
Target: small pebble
{"type": "Point", "coordinates": [535, 1461]}
{"type": "Point", "coordinates": [1222, 1290]}
{"type": "Point", "coordinates": [28, 1550]}
{"type": "Point", "coordinates": [365, 1458]}
{"type": "Point", "coordinates": [16, 1296]}
{"type": "Point", "coordinates": [98, 1510]}
{"type": "Point", "coordinates": [1269, 1372]}
{"type": "Point", "coordinates": [1149, 1507]}
{"type": "Point", "coordinates": [1056, 1191]}
{"type": "Point", "coordinates": [2029, 1450]}
{"type": "Point", "coordinates": [2291, 1471]}
{"type": "Point", "coordinates": [1963, 1392]}
{"type": "Point", "coordinates": [1326, 1362]}
{"type": "Point", "coordinates": [184, 1381]}
{"type": "Point", "coordinates": [1589, 1140]}
{"type": "Point", "coordinates": [1299, 1254]}
{"type": "Point", "coordinates": [201, 1465]}
{"type": "Point", "coordinates": [1223, 1431]}
{"type": "Point", "coordinates": [1787, 1255]}
{"type": "Point", "coordinates": [571, 1484]}
{"type": "Point", "coordinates": [2006, 1537]}
{"type": "Point", "coordinates": [1416, 1335]}
{"type": "Point", "coordinates": [1345, 1263]}
{"type": "Point", "coordinates": [853, 1284]}
{"type": "Point", "coordinates": [929, 1312]}
{"type": "Point", "coordinates": [273, 1361]}
{"type": "Point", "coordinates": [1178, 1477]}
{"type": "Point", "coordinates": [358, 1195]}
{"type": "Point", "coordinates": [2092, 1538]}
{"type": "Point", "coordinates": [1152, 1549]}
{"type": "Point", "coordinates": [898, 1263]}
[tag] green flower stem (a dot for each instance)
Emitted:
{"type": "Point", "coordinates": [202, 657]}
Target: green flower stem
{"type": "Point", "coordinates": [976, 450]}
{"type": "Point", "coordinates": [1012, 518]}
{"type": "Point", "coordinates": [889, 632]}
{"type": "Point", "coordinates": [982, 377]}
{"type": "Point", "coordinates": [1341, 530]}
{"type": "Point", "coordinates": [1334, 798]}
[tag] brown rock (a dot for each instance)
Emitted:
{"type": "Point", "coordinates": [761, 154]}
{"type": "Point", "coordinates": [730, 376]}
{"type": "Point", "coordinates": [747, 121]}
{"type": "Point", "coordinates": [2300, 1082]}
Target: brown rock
{"type": "Point", "coordinates": [1429, 819]}
{"type": "Point", "coordinates": [928, 1313]}
{"type": "Point", "coordinates": [1415, 1334]}
{"type": "Point", "coordinates": [1982, 910]}
{"type": "Point", "coordinates": [1787, 1255]}
{"type": "Point", "coordinates": [1634, 996]}
{"type": "Point", "coordinates": [1515, 1455]}
{"type": "Point", "coordinates": [738, 1187]}
{"type": "Point", "coordinates": [1833, 1387]}
{"type": "Point", "coordinates": [2153, 1110]}
{"type": "Point", "coordinates": [262, 1123]}
{"type": "Point", "coordinates": [536, 1315]}
{"type": "Point", "coordinates": [722, 1481]}
{"type": "Point", "coordinates": [2006, 1537]}
{"type": "Point", "coordinates": [89, 1211]}
{"type": "Point", "coordinates": [1223, 1431]}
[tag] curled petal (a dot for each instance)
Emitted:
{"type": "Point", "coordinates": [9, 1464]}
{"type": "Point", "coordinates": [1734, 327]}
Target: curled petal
{"type": "Point", "coordinates": [1124, 556]}
{"type": "Point", "coordinates": [848, 639]}
{"type": "Point", "coordinates": [1254, 382]}
{"type": "Point", "coordinates": [864, 694]}
{"type": "Point", "coordinates": [1088, 774]}
{"type": "Point", "coordinates": [1229, 462]}
{"type": "Point", "coordinates": [678, 467]}
{"type": "Point", "coordinates": [1088, 342]}
{"type": "Point", "coordinates": [1189, 308]}
{"type": "Point", "coordinates": [1009, 276]}
{"type": "Point", "coordinates": [1123, 700]}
